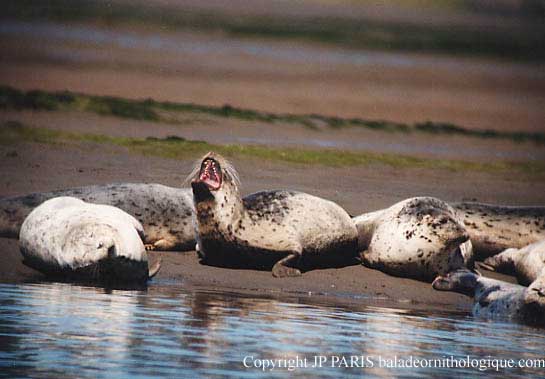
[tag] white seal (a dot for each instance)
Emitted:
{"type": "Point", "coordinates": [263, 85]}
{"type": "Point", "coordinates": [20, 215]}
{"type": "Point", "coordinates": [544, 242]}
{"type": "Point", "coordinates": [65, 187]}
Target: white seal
{"type": "Point", "coordinates": [70, 238]}
{"type": "Point", "coordinates": [166, 213]}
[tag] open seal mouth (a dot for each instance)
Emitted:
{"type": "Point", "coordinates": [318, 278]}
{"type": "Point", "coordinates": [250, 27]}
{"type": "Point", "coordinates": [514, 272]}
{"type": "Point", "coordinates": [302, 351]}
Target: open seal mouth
{"type": "Point", "coordinates": [210, 174]}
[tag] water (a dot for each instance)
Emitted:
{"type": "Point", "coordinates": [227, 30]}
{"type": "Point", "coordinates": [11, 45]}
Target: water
{"type": "Point", "coordinates": [57, 330]}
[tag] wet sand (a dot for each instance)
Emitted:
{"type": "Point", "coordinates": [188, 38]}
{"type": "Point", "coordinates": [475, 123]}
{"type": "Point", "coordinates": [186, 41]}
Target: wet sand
{"type": "Point", "coordinates": [268, 75]}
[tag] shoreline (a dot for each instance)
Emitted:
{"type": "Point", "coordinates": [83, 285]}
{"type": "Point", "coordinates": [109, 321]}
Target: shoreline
{"type": "Point", "coordinates": [35, 167]}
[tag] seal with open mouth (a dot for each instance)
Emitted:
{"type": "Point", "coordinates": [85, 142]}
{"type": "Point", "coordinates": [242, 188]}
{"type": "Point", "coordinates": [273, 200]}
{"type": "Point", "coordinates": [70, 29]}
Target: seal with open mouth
{"type": "Point", "coordinates": [527, 264]}
{"type": "Point", "coordinates": [418, 238]}
{"type": "Point", "coordinates": [495, 299]}
{"type": "Point", "coordinates": [70, 239]}
{"type": "Point", "coordinates": [166, 213]}
{"type": "Point", "coordinates": [284, 230]}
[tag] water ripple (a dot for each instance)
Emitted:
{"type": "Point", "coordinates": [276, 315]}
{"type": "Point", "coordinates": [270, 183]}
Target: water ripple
{"type": "Point", "coordinates": [60, 330]}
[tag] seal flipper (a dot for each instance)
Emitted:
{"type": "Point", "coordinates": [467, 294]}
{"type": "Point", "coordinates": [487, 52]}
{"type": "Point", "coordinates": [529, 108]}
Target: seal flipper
{"type": "Point", "coordinates": [503, 262]}
{"type": "Point", "coordinates": [155, 268]}
{"type": "Point", "coordinates": [164, 245]}
{"type": "Point", "coordinates": [282, 270]}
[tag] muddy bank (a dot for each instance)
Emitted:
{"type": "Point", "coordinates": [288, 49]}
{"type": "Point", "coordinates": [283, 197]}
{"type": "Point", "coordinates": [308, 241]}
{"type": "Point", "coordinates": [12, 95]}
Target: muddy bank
{"type": "Point", "coordinates": [275, 76]}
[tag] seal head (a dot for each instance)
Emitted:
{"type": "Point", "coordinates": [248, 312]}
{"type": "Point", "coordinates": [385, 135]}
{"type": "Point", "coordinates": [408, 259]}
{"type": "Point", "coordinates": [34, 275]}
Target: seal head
{"type": "Point", "coordinates": [461, 281]}
{"type": "Point", "coordinates": [495, 299]}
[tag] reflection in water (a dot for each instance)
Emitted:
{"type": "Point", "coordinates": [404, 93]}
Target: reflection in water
{"type": "Point", "coordinates": [61, 330]}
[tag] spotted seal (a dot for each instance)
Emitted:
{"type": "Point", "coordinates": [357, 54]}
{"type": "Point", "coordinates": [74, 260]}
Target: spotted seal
{"type": "Point", "coordinates": [166, 213]}
{"type": "Point", "coordinates": [67, 237]}
{"type": "Point", "coordinates": [494, 228]}
{"type": "Point", "coordinates": [284, 230]}
{"type": "Point", "coordinates": [418, 238]}
{"type": "Point", "coordinates": [495, 299]}
{"type": "Point", "coordinates": [527, 264]}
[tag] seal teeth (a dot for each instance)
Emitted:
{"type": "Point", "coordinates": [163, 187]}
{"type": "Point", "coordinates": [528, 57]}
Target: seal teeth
{"type": "Point", "coordinates": [211, 173]}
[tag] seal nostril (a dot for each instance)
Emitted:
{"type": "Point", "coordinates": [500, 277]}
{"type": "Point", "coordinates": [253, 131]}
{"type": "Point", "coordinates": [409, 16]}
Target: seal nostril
{"type": "Point", "coordinates": [111, 252]}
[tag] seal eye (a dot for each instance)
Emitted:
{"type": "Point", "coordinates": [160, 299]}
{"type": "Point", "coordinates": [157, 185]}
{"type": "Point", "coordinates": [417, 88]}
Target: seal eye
{"type": "Point", "coordinates": [100, 245]}
{"type": "Point", "coordinates": [210, 174]}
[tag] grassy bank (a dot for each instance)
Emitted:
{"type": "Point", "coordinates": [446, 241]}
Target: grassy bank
{"type": "Point", "coordinates": [176, 113]}
{"type": "Point", "coordinates": [12, 132]}
{"type": "Point", "coordinates": [521, 43]}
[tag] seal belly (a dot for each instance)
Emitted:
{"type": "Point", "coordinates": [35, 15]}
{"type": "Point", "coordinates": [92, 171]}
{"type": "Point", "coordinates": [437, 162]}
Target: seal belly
{"type": "Point", "coordinates": [238, 254]}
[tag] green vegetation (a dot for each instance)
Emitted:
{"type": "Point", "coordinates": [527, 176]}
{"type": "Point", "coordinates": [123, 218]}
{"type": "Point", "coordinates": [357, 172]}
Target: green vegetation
{"type": "Point", "coordinates": [178, 148]}
{"type": "Point", "coordinates": [523, 42]}
{"type": "Point", "coordinates": [167, 112]}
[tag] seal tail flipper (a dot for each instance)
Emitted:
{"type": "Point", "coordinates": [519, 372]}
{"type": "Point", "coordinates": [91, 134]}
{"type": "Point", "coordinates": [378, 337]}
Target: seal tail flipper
{"type": "Point", "coordinates": [155, 268]}
{"type": "Point", "coordinates": [503, 262]}
{"type": "Point", "coordinates": [365, 225]}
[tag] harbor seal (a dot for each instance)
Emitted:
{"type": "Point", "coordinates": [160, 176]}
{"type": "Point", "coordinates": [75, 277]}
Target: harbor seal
{"type": "Point", "coordinates": [495, 299]}
{"type": "Point", "coordinates": [418, 238]}
{"type": "Point", "coordinates": [494, 228]}
{"type": "Point", "coordinates": [166, 213]}
{"type": "Point", "coordinates": [527, 264]}
{"type": "Point", "coordinates": [67, 237]}
{"type": "Point", "coordinates": [287, 231]}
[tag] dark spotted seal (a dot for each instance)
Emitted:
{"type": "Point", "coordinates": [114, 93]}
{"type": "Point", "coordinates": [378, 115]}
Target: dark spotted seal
{"type": "Point", "coordinates": [68, 237]}
{"type": "Point", "coordinates": [165, 212]}
{"type": "Point", "coordinates": [495, 299]}
{"type": "Point", "coordinates": [493, 228]}
{"type": "Point", "coordinates": [284, 230]}
{"type": "Point", "coordinates": [527, 264]}
{"type": "Point", "coordinates": [418, 238]}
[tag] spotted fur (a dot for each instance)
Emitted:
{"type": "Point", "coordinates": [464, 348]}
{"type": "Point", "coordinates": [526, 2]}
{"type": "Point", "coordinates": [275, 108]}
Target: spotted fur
{"type": "Point", "coordinates": [418, 238]}
{"type": "Point", "coordinates": [493, 228]}
{"type": "Point", "coordinates": [285, 231]}
{"type": "Point", "coordinates": [166, 213]}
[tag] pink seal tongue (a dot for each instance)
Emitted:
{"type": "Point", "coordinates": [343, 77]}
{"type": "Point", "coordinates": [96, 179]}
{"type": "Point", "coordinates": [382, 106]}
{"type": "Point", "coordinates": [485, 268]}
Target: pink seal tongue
{"type": "Point", "coordinates": [209, 175]}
